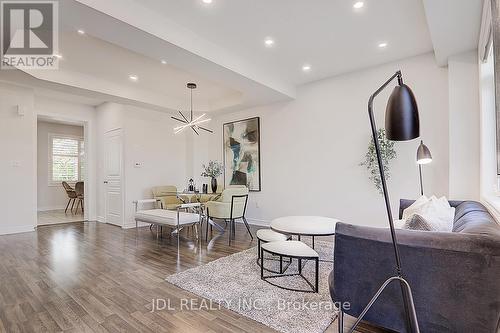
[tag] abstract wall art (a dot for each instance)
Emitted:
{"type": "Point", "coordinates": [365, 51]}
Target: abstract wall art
{"type": "Point", "coordinates": [242, 153]}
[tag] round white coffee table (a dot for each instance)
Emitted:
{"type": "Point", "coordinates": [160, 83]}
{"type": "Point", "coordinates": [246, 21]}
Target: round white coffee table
{"type": "Point", "coordinates": [313, 226]}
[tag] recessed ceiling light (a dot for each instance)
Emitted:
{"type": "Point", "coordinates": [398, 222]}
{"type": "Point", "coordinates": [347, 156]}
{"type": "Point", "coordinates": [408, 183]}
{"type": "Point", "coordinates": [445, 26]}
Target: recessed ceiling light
{"type": "Point", "coordinates": [358, 5]}
{"type": "Point", "coordinates": [269, 42]}
{"type": "Point", "coordinates": [382, 45]}
{"type": "Point", "coordinates": [133, 77]}
{"type": "Point", "coordinates": [207, 1]}
{"type": "Point", "coordinates": [81, 32]}
{"type": "Point", "coordinates": [306, 68]}
{"type": "Point", "coordinates": [58, 56]}
{"type": "Point", "coordinates": [163, 62]}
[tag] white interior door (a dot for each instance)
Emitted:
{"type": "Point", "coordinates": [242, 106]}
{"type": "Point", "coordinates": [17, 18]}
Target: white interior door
{"type": "Point", "coordinates": [113, 179]}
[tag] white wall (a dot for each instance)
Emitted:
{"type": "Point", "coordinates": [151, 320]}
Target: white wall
{"type": "Point", "coordinates": [18, 163]}
{"type": "Point", "coordinates": [311, 147]}
{"type": "Point", "coordinates": [86, 115]}
{"type": "Point", "coordinates": [150, 141]}
{"type": "Point", "coordinates": [463, 81]}
{"type": "Point", "coordinates": [50, 196]}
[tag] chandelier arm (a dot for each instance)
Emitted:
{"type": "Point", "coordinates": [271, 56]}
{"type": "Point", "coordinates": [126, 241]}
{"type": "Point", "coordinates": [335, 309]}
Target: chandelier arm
{"type": "Point", "coordinates": [180, 120]}
{"type": "Point", "coordinates": [192, 127]}
{"type": "Point", "coordinates": [182, 115]}
{"type": "Point", "coordinates": [205, 129]}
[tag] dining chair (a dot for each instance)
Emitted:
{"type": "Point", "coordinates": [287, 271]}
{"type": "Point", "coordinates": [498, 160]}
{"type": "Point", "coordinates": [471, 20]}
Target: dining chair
{"type": "Point", "coordinates": [230, 207]}
{"type": "Point", "coordinates": [168, 197]}
{"type": "Point", "coordinates": [80, 195]}
{"type": "Point", "coordinates": [72, 196]}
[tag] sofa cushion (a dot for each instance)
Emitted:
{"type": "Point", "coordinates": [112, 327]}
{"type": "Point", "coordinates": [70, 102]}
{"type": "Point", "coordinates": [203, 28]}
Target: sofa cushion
{"type": "Point", "coordinates": [473, 218]}
{"type": "Point", "coordinates": [467, 207]}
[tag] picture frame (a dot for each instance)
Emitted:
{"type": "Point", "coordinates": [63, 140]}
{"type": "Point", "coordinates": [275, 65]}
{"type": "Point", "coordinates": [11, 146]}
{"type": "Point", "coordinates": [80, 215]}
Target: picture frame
{"type": "Point", "coordinates": [241, 150]}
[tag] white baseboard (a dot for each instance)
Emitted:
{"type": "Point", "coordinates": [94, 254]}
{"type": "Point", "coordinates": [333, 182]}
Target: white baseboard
{"type": "Point", "coordinates": [261, 223]}
{"type": "Point", "coordinates": [101, 219]}
{"type": "Point", "coordinates": [9, 230]}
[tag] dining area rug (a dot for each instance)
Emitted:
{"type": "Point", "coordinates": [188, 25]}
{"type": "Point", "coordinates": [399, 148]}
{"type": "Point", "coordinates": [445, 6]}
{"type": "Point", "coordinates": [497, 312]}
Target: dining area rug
{"type": "Point", "coordinates": [234, 282]}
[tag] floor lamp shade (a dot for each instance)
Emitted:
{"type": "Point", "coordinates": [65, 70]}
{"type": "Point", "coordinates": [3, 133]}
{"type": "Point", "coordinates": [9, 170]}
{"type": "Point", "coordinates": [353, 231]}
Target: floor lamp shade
{"type": "Point", "coordinates": [401, 116]}
{"type": "Point", "coordinates": [423, 154]}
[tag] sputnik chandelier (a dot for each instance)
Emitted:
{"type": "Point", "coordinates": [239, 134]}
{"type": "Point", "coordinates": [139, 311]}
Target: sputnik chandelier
{"type": "Point", "coordinates": [194, 123]}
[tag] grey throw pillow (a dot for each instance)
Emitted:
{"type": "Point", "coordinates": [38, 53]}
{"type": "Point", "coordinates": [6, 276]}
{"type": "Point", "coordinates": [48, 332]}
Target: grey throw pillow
{"type": "Point", "coordinates": [417, 222]}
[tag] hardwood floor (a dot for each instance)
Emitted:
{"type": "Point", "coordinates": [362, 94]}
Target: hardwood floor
{"type": "Point", "coordinates": [49, 217]}
{"type": "Point", "coordinates": [93, 277]}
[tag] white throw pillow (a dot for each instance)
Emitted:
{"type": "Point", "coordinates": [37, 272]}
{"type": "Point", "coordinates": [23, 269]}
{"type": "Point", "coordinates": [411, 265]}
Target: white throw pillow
{"type": "Point", "coordinates": [415, 207]}
{"type": "Point", "coordinates": [437, 212]}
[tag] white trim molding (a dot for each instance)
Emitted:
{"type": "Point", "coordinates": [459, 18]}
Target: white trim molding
{"type": "Point", "coordinates": [492, 207]}
{"type": "Point", "coordinates": [9, 230]}
{"type": "Point", "coordinates": [485, 35]}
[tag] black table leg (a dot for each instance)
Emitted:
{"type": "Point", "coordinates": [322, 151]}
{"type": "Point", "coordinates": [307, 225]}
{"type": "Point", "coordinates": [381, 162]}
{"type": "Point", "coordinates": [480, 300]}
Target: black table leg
{"type": "Point", "coordinates": [317, 275]}
{"type": "Point", "coordinates": [262, 264]}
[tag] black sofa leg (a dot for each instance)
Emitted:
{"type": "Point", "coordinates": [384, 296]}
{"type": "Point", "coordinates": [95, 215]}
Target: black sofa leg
{"type": "Point", "coordinates": [340, 321]}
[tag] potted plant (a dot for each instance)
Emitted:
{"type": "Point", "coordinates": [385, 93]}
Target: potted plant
{"type": "Point", "coordinates": [213, 170]}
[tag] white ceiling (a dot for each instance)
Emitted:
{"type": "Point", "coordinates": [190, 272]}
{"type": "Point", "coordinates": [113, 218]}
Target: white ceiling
{"type": "Point", "coordinates": [329, 35]}
{"type": "Point", "coordinates": [114, 64]}
{"type": "Point", "coordinates": [454, 26]}
{"type": "Point", "coordinates": [221, 46]}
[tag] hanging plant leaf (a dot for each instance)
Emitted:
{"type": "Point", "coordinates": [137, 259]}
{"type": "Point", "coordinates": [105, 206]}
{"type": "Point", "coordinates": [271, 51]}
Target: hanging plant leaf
{"type": "Point", "coordinates": [387, 153]}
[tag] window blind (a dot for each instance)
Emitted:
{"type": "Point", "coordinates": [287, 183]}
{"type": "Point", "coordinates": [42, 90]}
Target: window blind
{"type": "Point", "coordinates": [66, 161]}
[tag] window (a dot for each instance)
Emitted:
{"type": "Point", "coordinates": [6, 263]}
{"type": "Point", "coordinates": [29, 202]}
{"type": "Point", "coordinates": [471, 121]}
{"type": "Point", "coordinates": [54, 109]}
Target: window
{"type": "Point", "coordinates": [66, 159]}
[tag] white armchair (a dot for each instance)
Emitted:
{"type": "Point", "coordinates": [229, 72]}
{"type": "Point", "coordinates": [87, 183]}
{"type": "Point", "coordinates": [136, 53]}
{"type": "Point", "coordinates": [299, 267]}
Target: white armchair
{"type": "Point", "coordinates": [231, 206]}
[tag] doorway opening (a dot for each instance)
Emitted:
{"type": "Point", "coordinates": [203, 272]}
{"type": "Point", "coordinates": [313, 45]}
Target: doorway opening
{"type": "Point", "coordinates": [61, 171]}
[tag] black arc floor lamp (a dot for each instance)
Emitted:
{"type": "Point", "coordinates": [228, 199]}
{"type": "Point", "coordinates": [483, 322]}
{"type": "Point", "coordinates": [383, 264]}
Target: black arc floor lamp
{"type": "Point", "coordinates": [423, 157]}
{"type": "Point", "coordinates": [401, 124]}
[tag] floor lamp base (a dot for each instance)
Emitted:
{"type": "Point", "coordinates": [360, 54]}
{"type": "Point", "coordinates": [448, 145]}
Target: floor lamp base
{"type": "Point", "coordinates": [412, 312]}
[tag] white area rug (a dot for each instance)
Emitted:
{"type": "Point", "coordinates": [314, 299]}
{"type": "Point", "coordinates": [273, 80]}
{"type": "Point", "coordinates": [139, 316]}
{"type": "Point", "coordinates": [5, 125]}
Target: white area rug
{"type": "Point", "coordinates": [234, 282]}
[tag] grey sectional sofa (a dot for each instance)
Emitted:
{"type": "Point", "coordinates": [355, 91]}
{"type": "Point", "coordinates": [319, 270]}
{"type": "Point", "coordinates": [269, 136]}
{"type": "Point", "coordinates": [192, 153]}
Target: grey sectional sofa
{"type": "Point", "coordinates": [455, 276]}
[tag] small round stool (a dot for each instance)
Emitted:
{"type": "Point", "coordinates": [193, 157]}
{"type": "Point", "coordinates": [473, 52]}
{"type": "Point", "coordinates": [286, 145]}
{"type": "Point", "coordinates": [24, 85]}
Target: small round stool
{"type": "Point", "coordinates": [267, 236]}
{"type": "Point", "coordinates": [293, 250]}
